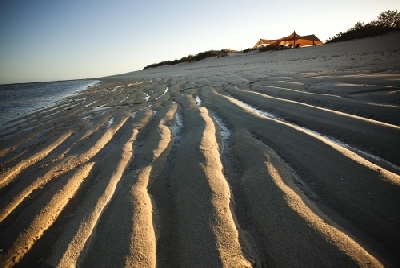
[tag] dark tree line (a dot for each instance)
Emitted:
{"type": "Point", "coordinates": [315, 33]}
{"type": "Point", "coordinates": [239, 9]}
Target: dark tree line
{"type": "Point", "coordinates": [387, 21]}
{"type": "Point", "coordinates": [197, 57]}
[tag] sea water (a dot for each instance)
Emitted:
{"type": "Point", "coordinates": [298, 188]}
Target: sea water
{"type": "Point", "coordinates": [17, 100]}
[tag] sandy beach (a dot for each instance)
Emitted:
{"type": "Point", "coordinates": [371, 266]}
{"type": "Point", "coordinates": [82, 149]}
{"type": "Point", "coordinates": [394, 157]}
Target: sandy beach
{"type": "Point", "coordinates": [277, 159]}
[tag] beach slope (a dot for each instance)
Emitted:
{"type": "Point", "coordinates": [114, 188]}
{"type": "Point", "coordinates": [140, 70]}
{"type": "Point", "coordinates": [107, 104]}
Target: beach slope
{"type": "Point", "coordinates": [277, 159]}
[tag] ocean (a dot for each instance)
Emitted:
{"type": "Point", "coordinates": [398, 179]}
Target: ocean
{"type": "Point", "coordinates": [17, 100]}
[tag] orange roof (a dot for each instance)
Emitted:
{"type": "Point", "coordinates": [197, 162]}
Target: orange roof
{"type": "Point", "coordinates": [293, 39]}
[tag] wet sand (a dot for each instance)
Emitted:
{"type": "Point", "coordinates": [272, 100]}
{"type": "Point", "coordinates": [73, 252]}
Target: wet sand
{"type": "Point", "coordinates": [275, 159]}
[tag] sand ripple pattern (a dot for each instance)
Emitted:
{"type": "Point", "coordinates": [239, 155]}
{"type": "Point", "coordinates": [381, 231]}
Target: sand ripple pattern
{"type": "Point", "coordinates": [205, 168]}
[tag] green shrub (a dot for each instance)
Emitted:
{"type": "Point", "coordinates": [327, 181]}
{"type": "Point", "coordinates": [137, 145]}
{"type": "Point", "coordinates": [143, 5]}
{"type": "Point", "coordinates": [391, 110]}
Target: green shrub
{"type": "Point", "coordinates": [387, 21]}
{"type": "Point", "coordinates": [268, 48]}
{"type": "Point", "coordinates": [247, 50]}
{"type": "Point", "coordinates": [197, 57]}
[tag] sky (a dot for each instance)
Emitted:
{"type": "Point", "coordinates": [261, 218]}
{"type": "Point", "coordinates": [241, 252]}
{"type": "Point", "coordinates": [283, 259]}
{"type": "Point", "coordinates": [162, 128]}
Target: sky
{"type": "Point", "coordinates": [47, 40]}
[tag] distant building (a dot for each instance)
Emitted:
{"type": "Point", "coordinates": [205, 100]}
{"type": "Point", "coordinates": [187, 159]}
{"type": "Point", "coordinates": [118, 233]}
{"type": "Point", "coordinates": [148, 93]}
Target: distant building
{"type": "Point", "coordinates": [294, 40]}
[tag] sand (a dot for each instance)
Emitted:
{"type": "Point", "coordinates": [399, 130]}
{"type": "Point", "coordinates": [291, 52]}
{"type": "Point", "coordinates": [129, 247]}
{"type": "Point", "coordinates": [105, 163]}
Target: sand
{"type": "Point", "coordinates": [277, 159]}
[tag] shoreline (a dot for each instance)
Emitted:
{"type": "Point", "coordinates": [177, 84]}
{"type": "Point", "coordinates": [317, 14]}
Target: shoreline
{"type": "Point", "coordinates": [29, 106]}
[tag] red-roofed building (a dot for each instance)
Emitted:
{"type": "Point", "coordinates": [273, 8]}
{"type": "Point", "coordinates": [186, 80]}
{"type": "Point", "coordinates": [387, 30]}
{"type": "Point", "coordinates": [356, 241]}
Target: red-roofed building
{"type": "Point", "coordinates": [293, 40]}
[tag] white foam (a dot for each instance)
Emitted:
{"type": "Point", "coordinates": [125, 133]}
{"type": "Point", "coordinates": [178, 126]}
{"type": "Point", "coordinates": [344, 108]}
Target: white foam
{"type": "Point", "coordinates": [225, 133]}
{"type": "Point", "coordinates": [90, 104]}
{"type": "Point", "coordinates": [125, 98]}
{"type": "Point", "coordinates": [198, 100]}
{"type": "Point", "coordinates": [110, 122]}
{"type": "Point", "coordinates": [178, 123]}
{"type": "Point", "coordinates": [98, 109]}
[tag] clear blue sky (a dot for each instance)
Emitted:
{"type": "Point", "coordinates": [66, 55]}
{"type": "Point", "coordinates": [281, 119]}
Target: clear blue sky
{"type": "Point", "coordinates": [47, 40]}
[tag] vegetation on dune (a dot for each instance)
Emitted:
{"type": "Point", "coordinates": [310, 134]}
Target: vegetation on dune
{"type": "Point", "coordinates": [208, 54]}
{"type": "Point", "coordinates": [268, 48]}
{"type": "Point", "coordinates": [387, 21]}
{"type": "Point", "coordinates": [247, 50]}
{"type": "Point", "coordinates": [197, 57]}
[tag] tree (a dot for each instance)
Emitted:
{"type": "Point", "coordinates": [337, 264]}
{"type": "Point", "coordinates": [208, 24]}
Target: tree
{"type": "Point", "coordinates": [387, 21]}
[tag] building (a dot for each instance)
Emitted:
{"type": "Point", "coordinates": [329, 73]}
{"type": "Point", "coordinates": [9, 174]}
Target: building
{"type": "Point", "coordinates": [294, 40]}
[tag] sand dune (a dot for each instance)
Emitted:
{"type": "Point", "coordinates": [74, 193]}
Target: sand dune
{"type": "Point", "coordinates": [275, 159]}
